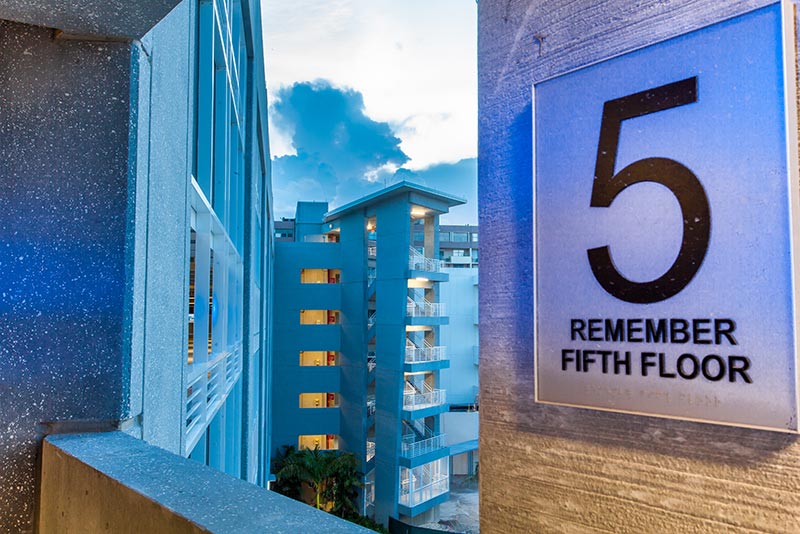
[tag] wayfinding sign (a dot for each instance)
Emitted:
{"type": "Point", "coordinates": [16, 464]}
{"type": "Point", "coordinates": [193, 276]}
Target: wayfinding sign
{"type": "Point", "coordinates": [666, 203]}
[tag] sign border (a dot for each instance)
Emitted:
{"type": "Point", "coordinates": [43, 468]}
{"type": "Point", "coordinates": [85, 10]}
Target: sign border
{"type": "Point", "coordinates": [791, 69]}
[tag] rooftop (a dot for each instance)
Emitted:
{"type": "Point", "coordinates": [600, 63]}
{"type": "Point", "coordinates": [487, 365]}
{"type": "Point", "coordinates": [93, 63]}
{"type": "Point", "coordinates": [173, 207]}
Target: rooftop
{"type": "Point", "coordinates": [394, 190]}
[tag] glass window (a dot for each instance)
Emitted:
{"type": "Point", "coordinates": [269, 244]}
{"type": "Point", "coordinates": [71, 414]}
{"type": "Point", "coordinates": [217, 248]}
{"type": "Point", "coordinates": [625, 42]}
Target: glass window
{"type": "Point", "coordinates": [444, 236]}
{"type": "Point", "coordinates": [475, 237]}
{"type": "Point", "coordinates": [460, 237]}
{"type": "Point", "coordinates": [419, 236]}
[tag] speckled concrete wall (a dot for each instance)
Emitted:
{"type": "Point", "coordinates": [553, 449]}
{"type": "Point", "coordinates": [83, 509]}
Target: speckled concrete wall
{"type": "Point", "coordinates": [117, 18]}
{"type": "Point", "coordinates": [553, 469]}
{"type": "Point", "coordinates": [63, 194]}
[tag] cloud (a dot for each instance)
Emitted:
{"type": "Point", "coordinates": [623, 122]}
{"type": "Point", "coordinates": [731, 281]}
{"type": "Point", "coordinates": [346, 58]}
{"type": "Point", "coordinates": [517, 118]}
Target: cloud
{"type": "Point", "coordinates": [339, 151]}
{"type": "Point", "coordinates": [342, 154]}
{"type": "Point", "coordinates": [459, 179]}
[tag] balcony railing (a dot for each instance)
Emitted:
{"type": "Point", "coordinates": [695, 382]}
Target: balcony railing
{"type": "Point", "coordinates": [411, 495]}
{"type": "Point", "coordinates": [412, 449]}
{"type": "Point", "coordinates": [425, 354]}
{"type": "Point", "coordinates": [372, 251]}
{"type": "Point", "coordinates": [371, 406]}
{"type": "Point", "coordinates": [372, 361]}
{"type": "Point", "coordinates": [370, 452]}
{"type": "Point", "coordinates": [209, 384]}
{"type": "Point", "coordinates": [417, 401]}
{"type": "Point", "coordinates": [426, 309]}
{"type": "Point", "coordinates": [418, 262]}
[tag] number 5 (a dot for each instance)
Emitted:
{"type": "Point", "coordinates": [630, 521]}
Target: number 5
{"type": "Point", "coordinates": [674, 176]}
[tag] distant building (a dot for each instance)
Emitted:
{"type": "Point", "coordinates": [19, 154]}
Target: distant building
{"type": "Point", "coordinates": [460, 337]}
{"type": "Point", "coordinates": [358, 343]}
{"type": "Point", "coordinates": [458, 244]}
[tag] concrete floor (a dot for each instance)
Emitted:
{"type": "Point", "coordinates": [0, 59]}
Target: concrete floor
{"type": "Point", "coordinates": [460, 513]}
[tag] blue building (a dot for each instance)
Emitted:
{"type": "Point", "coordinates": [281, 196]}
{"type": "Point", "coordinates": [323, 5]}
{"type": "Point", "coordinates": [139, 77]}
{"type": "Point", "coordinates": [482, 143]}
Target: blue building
{"type": "Point", "coordinates": [460, 337]}
{"type": "Point", "coordinates": [358, 349]}
{"type": "Point", "coordinates": [135, 234]}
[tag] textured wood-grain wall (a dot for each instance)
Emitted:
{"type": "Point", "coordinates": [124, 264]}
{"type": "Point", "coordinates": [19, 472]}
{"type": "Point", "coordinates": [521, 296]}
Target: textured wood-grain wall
{"type": "Point", "coordinates": [552, 469]}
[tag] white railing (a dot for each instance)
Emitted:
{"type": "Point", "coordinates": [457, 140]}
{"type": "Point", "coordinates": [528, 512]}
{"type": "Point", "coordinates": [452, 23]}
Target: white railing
{"type": "Point", "coordinates": [426, 354]}
{"type": "Point", "coordinates": [372, 361]}
{"type": "Point", "coordinates": [439, 486]}
{"type": "Point", "coordinates": [372, 251]}
{"type": "Point", "coordinates": [412, 449]}
{"type": "Point", "coordinates": [424, 482]}
{"type": "Point", "coordinates": [426, 309]}
{"type": "Point", "coordinates": [209, 384]}
{"type": "Point", "coordinates": [371, 317]}
{"type": "Point", "coordinates": [418, 262]}
{"type": "Point", "coordinates": [417, 401]}
{"type": "Point", "coordinates": [370, 451]}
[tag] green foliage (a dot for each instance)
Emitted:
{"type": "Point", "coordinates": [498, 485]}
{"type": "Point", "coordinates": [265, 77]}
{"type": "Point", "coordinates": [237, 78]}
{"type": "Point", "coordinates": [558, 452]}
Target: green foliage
{"type": "Point", "coordinates": [332, 476]}
{"type": "Point", "coordinates": [286, 483]}
{"type": "Point", "coordinates": [369, 523]}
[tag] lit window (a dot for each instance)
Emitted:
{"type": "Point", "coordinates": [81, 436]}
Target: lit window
{"type": "Point", "coordinates": [319, 317]}
{"type": "Point", "coordinates": [319, 400]}
{"type": "Point", "coordinates": [318, 358]}
{"type": "Point", "coordinates": [320, 276]}
{"type": "Point", "coordinates": [325, 442]}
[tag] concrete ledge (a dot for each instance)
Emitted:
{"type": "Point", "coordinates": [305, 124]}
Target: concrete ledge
{"type": "Point", "coordinates": [111, 482]}
{"type": "Point", "coordinates": [87, 19]}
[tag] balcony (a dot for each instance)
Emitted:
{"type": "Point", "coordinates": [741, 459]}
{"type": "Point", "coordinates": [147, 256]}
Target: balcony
{"type": "Point", "coordinates": [412, 497]}
{"type": "Point", "coordinates": [412, 449]}
{"type": "Point", "coordinates": [418, 262]}
{"type": "Point", "coordinates": [370, 450]}
{"type": "Point", "coordinates": [425, 354]}
{"type": "Point", "coordinates": [425, 309]}
{"type": "Point", "coordinates": [371, 406]}
{"type": "Point", "coordinates": [372, 361]}
{"type": "Point", "coordinates": [424, 483]}
{"type": "Point", "coordinates": [428, 399]}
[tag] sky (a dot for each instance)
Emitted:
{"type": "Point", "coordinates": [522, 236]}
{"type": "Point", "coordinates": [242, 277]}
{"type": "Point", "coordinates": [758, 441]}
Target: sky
{"type": "Point", "coordinates": [364, 93]}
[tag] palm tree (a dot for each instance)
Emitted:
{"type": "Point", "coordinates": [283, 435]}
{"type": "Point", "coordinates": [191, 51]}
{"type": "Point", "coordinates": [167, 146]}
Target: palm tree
{"type": "Point", "coordinates": [346, 481]}
{"type": "Point", "coordinates": [332, 476]}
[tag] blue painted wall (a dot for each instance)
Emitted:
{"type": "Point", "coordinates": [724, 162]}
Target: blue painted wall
{"type": "Point", "coordinates": [460, 336]}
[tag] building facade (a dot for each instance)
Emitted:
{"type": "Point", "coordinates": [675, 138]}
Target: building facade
{"type": "Point", "coordinates": [460, 424]}
{"type": "Point", "coordinates": [358, 344]}
{"type": "Point", "coordinates": [458, 245]}
{"type": "Point", "coordinates": [136, 233]}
